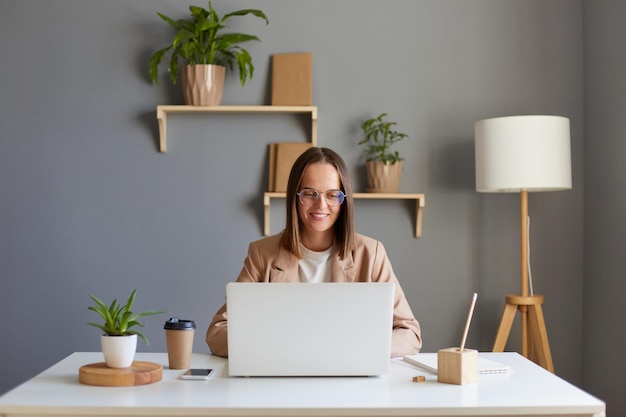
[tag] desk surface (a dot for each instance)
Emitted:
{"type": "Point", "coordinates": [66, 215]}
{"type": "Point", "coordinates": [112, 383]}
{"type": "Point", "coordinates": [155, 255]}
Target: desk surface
{"type": "Point", "coordinates": [527, 390]}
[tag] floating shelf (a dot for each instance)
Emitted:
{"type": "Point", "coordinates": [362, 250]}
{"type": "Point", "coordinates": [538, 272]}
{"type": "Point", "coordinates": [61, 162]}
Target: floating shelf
{"type": "Point", "coordinates": [163, 110]}
{"type": "Point", "coordinates": [420, 202]}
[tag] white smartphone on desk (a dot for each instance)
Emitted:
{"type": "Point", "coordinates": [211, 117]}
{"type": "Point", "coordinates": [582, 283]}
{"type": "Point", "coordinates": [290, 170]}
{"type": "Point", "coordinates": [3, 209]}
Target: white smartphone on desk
{"type": "Point", "coordinates": [197, 374]}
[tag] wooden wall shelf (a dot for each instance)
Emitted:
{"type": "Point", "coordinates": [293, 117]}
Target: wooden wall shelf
{"type": "Point", "coordinates": [164, 110]}
{"type": "Point", "coordinates": [420, 202]}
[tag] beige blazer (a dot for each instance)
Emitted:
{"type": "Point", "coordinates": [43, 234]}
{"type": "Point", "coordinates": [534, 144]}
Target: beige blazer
{"type": "Point", "coordinates": [268, 261]}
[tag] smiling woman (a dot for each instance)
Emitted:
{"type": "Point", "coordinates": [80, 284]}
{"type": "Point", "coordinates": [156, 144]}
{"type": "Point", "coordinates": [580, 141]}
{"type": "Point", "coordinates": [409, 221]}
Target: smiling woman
{"type": "Point", "coordinates": [319, 244]}
{"type": "Point", "coordinates": [317, 216]}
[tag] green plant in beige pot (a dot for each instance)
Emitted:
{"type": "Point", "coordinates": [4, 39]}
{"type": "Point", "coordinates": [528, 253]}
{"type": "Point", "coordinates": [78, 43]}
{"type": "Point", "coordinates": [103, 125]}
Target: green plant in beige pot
{"type": "Point", "coordinates": [384, 165]}
{"type": "Point", "coordinates": [206, 52]}
{"type": "Point", "coordinates": [119, 341]}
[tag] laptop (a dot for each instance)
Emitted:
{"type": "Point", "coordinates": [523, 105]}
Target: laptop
{"type": "Point", "coordinates": [300, 329]}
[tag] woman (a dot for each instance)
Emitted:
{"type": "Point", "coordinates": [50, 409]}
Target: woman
{"type": "Point", "coordinates": [319, 244]}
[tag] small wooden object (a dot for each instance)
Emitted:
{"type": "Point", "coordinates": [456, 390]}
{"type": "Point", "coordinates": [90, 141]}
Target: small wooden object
{"type": "Point", "coordinates": [459, 365]}
{"type": "Point", "coordinates": [455, 366]}
{"type": "Point", "coordinates": [419, 378]}
{"type": "Point", "coordinates": [139, 373]}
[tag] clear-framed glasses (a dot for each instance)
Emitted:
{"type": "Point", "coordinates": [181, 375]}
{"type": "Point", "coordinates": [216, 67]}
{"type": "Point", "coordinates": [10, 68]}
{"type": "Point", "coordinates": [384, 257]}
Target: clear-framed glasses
{"type": "Point", "coordinates": [309, 196]}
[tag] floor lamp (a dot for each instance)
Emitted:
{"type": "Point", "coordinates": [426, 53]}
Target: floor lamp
{"type": "Point", "coordinates": [524, 154]}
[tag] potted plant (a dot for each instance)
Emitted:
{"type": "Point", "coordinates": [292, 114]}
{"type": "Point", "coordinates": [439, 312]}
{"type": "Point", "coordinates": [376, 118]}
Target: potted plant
{"type": "Point", "coordinates": [207, 51]}
{"type": "Point", "coordinates": [384, 166]}
{"type": "Point", "coordinates": [119, 341]}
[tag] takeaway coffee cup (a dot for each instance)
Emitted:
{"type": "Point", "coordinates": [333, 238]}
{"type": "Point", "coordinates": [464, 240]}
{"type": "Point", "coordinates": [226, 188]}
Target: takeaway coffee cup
{"type": "Point", "coordinates": [179, 337]}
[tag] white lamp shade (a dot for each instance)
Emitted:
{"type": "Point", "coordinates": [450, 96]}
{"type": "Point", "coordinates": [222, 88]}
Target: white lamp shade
{"type": "Point", "coordinates": [516, 153]}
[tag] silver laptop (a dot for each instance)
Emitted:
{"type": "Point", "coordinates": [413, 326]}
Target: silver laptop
{"type": "Point", "coordinates": [297, 329]}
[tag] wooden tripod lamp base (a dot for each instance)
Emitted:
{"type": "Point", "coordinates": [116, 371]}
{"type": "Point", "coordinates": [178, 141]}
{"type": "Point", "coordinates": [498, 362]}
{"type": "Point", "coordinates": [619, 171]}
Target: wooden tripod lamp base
{"type": "Point", "coordinates": [532, 319]}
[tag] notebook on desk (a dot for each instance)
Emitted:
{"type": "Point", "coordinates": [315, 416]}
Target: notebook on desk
{"type": "Point", "coordinates": [326, 329]}
{"type": "Point", "coordinates": [428, 362]}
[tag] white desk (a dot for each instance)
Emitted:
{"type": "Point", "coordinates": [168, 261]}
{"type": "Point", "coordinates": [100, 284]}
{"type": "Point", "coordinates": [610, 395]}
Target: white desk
{"type": "Point", "coordinates": [527, 390]}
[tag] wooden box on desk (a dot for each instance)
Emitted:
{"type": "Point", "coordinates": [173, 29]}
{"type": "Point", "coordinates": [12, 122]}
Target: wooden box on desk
{"type": "Point", "coordinates": [457, 367]}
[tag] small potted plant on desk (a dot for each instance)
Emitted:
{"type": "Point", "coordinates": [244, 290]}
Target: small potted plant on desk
{"type": "Point", "coordinates": [119, 341]}
{"type": "Point", "coordinates": [384, 166]}
{"type": "Point", "coordinates": [207, 52]}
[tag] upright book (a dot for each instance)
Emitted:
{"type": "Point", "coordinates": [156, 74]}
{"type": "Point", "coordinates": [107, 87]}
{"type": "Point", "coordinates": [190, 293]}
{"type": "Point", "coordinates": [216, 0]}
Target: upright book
{"type": "Point", "coordinates": [292, 79]}
{"type": "Point", "coordinates": [282, 155]}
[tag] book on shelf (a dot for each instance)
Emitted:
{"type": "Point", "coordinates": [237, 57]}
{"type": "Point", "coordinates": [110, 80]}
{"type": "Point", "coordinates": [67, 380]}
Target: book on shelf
{"type": "Point", "coordinates": [292, 79]}
{"type": "Point", "coordinates": [282, 155]}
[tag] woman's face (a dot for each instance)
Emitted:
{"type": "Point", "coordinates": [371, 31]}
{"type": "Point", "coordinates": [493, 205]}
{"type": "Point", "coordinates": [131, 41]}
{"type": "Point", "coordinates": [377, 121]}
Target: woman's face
{"type": "Point", "coordinates": [317, 217]}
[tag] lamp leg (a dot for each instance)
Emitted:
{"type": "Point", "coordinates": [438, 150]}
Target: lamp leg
{"type": "Point", "coordinates": [505, 327]}
{"type": "Point", "coordinates": [538, 335]}
{"type": "Point", "coordinates": [525, 339]}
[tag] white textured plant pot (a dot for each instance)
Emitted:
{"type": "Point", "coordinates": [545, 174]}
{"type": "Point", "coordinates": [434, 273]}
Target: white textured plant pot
{"type": "Point", "coordinates": [383, 178]}
{"type": "Point", "coordinates": [119, 351]}
{"type": "Point", "coordinates": [203, 85]}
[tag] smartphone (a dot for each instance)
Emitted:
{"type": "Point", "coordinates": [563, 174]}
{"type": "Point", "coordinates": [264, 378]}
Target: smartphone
{"type": "Point", "coordinates": [197, 374]}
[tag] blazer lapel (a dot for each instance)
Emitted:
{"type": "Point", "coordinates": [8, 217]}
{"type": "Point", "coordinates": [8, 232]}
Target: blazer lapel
{"type": "Point", "coordinates": [285, 267]}
{"type": "Point", "coordinates": [343, 269]}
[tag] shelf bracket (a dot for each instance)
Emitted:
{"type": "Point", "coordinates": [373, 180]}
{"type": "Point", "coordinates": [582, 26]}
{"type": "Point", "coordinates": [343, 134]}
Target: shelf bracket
{"type": "Point", "coordinates": [162, 120]}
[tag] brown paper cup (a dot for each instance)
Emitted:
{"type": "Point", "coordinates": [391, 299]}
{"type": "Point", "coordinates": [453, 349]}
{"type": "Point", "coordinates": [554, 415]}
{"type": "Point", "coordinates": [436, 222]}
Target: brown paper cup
{"type": "Point", "coordinates": [179, 337]}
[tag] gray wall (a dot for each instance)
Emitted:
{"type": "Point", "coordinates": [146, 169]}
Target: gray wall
{"type": "Point", "coordinates": [89, 205]}
{"type": "Point", "coordinates": [604, 365]}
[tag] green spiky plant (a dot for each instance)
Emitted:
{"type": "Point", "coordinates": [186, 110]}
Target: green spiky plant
{"type": "Point", "coordinates": [380, 135]}
{"type": "Point", "coordinates": [118, 318]}
{"type": "Point", "coordinates": [200, 40]}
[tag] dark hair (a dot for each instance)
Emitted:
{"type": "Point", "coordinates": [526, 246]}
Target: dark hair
{"type": "Point", "coordinates": [344, 226]}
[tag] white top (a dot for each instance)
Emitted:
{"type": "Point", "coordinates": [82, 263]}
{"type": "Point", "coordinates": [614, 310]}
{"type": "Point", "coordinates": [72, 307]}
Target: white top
{"type": "Point", "coordinates": [527, 390]}
{"type": "Point", "coordinates": [315, 267]}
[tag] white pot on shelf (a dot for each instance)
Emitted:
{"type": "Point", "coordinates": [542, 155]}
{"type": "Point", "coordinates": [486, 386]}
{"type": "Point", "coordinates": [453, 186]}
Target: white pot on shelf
{"type": "Point", "coordinates": [119, 351]}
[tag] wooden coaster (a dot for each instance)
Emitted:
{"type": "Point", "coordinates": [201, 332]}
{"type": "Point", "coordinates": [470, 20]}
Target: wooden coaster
{"type": "Point", "coordinates": [139, 373]}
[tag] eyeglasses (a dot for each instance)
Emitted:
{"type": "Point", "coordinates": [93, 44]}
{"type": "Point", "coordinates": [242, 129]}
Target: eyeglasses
{"type": "Point", "coordinates": [309, 196]}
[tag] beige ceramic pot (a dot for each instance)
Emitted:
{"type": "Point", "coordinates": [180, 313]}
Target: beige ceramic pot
{"type": "Point", "coordinates": [203, 85]}
{"type": "Point", "coordinates": [383, 177]}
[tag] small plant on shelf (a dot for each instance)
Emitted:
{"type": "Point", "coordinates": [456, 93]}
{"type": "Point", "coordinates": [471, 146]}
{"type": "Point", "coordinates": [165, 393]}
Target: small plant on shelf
{"type": "Point", "coordinates": [383, 165]}
{"type": "Point", "coordinates": [380, 136]}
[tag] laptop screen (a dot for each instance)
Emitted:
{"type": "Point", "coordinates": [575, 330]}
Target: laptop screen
{"type": "Point", "coordinates": [299, 329]}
